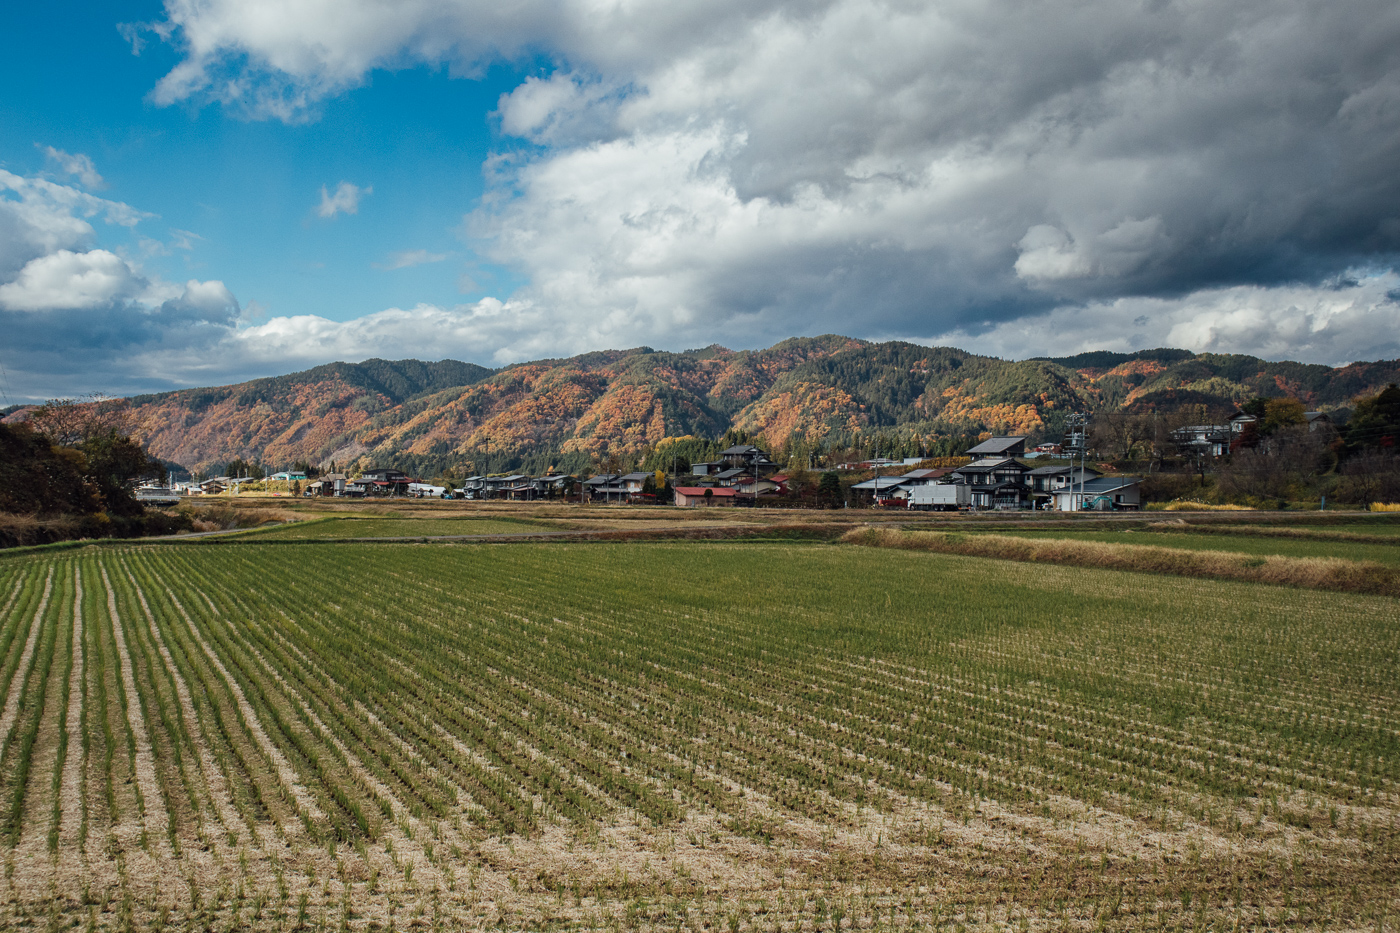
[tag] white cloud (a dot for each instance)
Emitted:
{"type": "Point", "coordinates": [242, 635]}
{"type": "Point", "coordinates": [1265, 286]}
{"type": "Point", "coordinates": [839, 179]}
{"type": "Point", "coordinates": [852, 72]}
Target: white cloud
{"type": "Point", "coordinates": [38, 217]}
{"type": "Point", "coordinates": [1356, 317]}
{"type": "Point", "coordinates": [769, 167]}
{"type": "Point", "coordinates": [346, 200]}
{"type": "Point", "coordinates": [1044, 179]}
{"type": "Point", "coordinates": [79, 166]}
{"type": "Point", "coordinates": [65, 279]}
{"type": "Point", "coordinates": [410, 257]}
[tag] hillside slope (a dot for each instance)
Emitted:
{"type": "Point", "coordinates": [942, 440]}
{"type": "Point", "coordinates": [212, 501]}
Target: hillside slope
{"type": "Point", "coordinates": [422, 416]}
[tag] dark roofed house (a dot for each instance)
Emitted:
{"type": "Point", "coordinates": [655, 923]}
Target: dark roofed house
{"type": "Point", "coordinates": [999, 447]}
{"type": "Point", "coordinates": [605, 487]}
{"type": "Point", "coordinates": [881, 487]}
{"type": "Point", "coordinates": [1317, 420]}
{"type": "Point", "coordinates": [748, 457]}
{"type": "Point", "coordinates": [553, 484]}
{"type": "Point", "coordinates": [731, 477]}
{"type": "Point", "coordinates": [997, 483]}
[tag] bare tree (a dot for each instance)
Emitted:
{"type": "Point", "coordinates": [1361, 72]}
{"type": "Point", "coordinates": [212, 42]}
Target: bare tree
{"type": "Point", "coordinates": [1121, 434]}
{"type": "Point", "coordinates": [69, 422]}
{"type": "Point", "coordinates": [1291, 465]}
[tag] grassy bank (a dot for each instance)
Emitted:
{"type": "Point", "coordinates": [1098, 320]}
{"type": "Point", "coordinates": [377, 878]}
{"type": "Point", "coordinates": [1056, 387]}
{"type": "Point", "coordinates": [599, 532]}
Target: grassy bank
{"type": "Point", "coordinates": [1326, 573]}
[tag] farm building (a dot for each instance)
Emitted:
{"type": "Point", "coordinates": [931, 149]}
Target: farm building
{"type": "Point", "coordinates": [1104, 493]}
{"type": "Point", "coordinates": [693, 496]}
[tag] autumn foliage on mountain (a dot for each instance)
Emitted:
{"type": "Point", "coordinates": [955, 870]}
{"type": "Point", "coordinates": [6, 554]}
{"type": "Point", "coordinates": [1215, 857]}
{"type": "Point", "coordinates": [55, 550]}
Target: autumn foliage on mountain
{"type": "Point", "coordinates": [588, 409]}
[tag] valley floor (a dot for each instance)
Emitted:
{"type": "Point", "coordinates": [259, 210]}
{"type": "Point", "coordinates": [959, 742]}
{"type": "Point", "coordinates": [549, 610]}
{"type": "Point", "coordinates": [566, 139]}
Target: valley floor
{"type": "Point", "coordinates": [281, 729]}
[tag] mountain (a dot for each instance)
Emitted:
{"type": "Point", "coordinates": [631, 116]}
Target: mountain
{"type": "Point", "coordinates": [827, 391]}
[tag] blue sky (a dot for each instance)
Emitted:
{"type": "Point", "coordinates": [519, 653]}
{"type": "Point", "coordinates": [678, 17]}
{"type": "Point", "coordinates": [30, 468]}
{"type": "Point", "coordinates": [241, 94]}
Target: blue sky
{"type": "Point", "coordinates": [249, 189]}
{"type": "Point", "coordinates": [196, 192]}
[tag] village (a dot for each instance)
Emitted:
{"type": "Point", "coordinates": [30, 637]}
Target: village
{"type": "Point", "coordinates": [998, 474]}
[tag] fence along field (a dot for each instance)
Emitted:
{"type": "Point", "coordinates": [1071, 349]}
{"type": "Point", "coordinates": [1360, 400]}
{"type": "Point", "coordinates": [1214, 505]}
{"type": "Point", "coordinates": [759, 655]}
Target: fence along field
{"type": "Point", "coordinates": [685, 736]}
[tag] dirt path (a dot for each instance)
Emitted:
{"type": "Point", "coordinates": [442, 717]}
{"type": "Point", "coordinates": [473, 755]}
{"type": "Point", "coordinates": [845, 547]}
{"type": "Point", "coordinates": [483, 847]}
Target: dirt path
{"type": "Point", "coordinates": [70, 788]}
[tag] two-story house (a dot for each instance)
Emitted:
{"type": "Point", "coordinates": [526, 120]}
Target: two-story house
{"type": "Point", "coordinates": [997, 482]}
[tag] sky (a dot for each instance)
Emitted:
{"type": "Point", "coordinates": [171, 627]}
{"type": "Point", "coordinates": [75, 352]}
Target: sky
{"type": "Point", "coordinates": [204, 191]}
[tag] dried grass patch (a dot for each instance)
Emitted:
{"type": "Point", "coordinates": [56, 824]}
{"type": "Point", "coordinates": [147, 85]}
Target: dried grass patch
{"type": "Point", "coordinates": [1385, 506]}
{"type": "Point", "coordinates": [1191, 505]}
{"type": "Point", "coordinates": [1323, 573]}
{"type": "Point", "coordinates": [1272, 531]}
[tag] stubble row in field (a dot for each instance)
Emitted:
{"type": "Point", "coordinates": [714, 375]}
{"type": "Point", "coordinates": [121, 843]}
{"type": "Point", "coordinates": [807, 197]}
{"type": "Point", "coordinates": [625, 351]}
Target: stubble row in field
{"type": "Point", "coordinates": [746, 736]}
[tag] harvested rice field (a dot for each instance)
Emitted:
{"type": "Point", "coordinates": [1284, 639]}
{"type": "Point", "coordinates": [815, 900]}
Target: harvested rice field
{"type": "Point", "coordinates": [370, 526]}
{"type": "Point", "coordinates": [685, 736]}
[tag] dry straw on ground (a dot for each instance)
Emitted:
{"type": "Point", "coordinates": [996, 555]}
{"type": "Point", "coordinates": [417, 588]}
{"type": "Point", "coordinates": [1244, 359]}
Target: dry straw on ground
{"type": "Point", "coordinates": [1191, 505]}
{"type": "Point", "coordinates": [1325, 573]}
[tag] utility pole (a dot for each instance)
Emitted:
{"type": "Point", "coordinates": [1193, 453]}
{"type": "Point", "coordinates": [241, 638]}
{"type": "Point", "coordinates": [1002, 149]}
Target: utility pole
{"type": "Point", "coordinates": [1077, 424]}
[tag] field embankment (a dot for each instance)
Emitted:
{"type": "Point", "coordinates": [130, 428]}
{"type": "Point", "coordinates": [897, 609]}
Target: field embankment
{"type": "Point", "coordinates": [1324, 573]}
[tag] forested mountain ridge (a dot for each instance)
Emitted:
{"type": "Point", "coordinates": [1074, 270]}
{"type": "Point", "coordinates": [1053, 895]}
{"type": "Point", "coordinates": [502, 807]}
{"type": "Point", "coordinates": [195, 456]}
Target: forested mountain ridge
{"type": "Point", "coordinates": [827, 391]}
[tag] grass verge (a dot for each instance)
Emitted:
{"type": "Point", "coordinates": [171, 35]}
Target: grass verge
{"type": "Point", "coordinates": [1322, 573]}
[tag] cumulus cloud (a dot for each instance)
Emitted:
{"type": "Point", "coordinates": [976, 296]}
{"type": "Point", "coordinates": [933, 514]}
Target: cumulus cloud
{"type": "Point", "coordinates": [410, 257]}
{"type": "Point", "coordinates": [345, 200]}
{"type": "Point", "coordinates": [73, 313]}
{"type": "Point", "coordinates": [79, 166]}
{"type": "Point", "coordinates": [768, 167]}
{"type": "Point", "coordinates": [1353, 317]}
{"type": "Point", "coordinates": [66, 279]}
{"type": "Point", "coordinates": [38, 216]}
{"type": "Point", "coordinates": [1020, 179]}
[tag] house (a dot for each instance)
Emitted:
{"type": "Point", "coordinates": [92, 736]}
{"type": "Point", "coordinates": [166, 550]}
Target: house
{"type": "Point", "coordinates": [754, 489]}
{"type": "Point", "coordinates": [496, 486]}
{"type": "Point", "coordinates": [386, 476]}
{"type": "Point", "coordinates": [1046, 481]}
{"type": "Point", "coordinates": [999, 447]}
{"type": "Point", "coordinates": [522, 489]}
{"type": "Point", "coordinates": [732, 477]}
{"type": "Point", "coordinates": [1239, 420]}
{"type": "Point", "coordinates": [748, 456]}
{"type": "Point", "coordinates": [1103, 493]}
{"type": "Point", "coordinates": [552, 485]}
{"type": "Point", "coordinates": [924, 477]}
{"type": "Point", "coordinates": [633, 482]}
{"type": "Point", "coordinates": [708, 469]}
{"type": "Point", "coordinates": [693, 496]}
{"type": "Point", "coordinates": [881, 487]}
{"type": "Point", "coordinates": [997, 483]}
{"type": "Point", "coordinates": [330, 484]}
{"type": "Point", "coordinates": [385, 482]}
{"type": "Point", "coordinates": [605, 487]}
{"type": "Point", "coordinates": [1212, 439]}
{"type": "Point", "coordinates": [288, 476]}
{"type": "Point", "coordinates": [1317, 420]}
